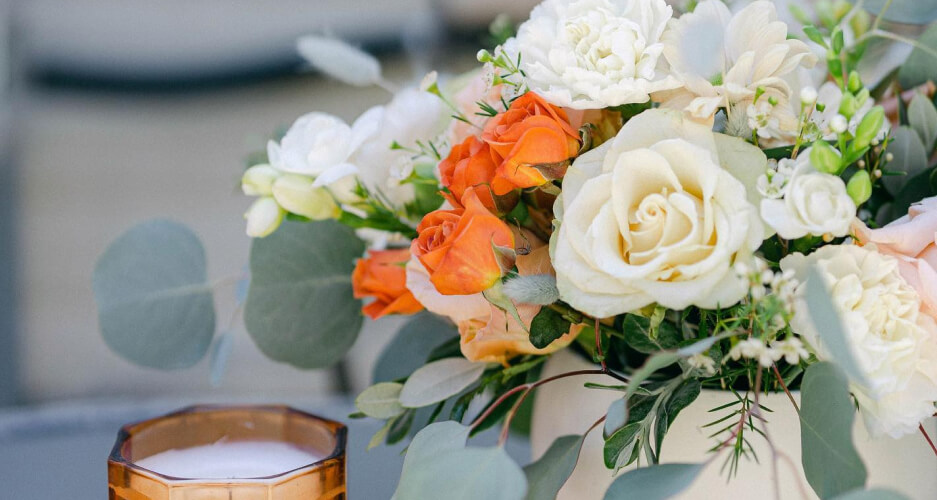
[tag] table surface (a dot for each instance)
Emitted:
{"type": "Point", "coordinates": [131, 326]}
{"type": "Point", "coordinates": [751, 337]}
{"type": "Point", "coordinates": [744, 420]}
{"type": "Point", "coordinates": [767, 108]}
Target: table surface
{"type": "Point", "coordinates": [60, 451]}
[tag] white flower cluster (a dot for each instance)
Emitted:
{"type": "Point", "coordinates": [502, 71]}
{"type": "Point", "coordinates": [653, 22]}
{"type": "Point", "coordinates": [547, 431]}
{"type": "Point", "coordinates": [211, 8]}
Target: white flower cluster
{"type": "Point", "coordinates": [317, 164]}
{"type": "Point", "coordinates": [791, 349]}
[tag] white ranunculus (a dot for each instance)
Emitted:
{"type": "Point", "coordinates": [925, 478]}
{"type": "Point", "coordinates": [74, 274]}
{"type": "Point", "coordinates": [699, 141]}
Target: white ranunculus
{"type": "Point", "coordinates": [592, 54]}
{"type": "Point", "coordinates": [813, 202]}
{"type": "Point", "coordinates": [830, 96]}
{"type": "Point", "coordinates": [412, 116]}
{"type": "Point", "coordinates": [654, 215]}
{"type": "Point", "coordinates": [725, 61]}
{"type": "Point", "coordinates": [894, 344]}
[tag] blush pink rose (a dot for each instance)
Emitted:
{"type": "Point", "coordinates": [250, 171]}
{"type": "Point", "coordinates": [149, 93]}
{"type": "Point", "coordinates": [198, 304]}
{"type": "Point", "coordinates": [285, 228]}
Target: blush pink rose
{"type": "Point", "coordinates": [912, 240]}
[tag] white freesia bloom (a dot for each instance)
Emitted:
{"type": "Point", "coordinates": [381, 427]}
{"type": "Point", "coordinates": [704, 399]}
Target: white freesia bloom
{"type": "Point", "coordinates": [300, 195]}
{"type": "Point", "coordinates": [813, 202]}
{"type": "Point", "coordinates": [654, 215]}
{"type": "Point", "coordinates": [725, 61]}
{"type": "Point", "coordinates": [831, 96]}
{"type": "Point", "coordinates": [263, 217]}
{"type": "Point", "coordinates": [258, 180]}
{"type": "Point", "coordinates": [894, 344]}
{"type": "Point", "coordinates": [592, 54]}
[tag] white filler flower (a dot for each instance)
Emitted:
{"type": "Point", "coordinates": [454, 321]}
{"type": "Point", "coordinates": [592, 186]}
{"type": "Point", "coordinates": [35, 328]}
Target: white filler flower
{"type": "Point", "coordinates": [654, 215]}
{"type": "Point", "coordinates": [592, 54]}
{"type": "Point", "coordinates": [813, 202]}
{"type": "Point", "coordinates": [727, 61]}
{"type": "Point", "coordinates": [892, 341]}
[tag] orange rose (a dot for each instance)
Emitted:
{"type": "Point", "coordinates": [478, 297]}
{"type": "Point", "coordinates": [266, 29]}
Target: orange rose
{"type": "Point", "coordinates": [532, 143]}
{"type": "Point", "coordinates": [382, 275]}
{"type": "Point", "coordinates": [457, 247]}
{"type": "Point", "coordinates": [468, 165]}
{"type": "Point", "coordinates": [497, 337]}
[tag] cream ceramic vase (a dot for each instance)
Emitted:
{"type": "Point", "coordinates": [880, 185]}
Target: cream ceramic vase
{"type": "Point", "coordinates": [564, 407]}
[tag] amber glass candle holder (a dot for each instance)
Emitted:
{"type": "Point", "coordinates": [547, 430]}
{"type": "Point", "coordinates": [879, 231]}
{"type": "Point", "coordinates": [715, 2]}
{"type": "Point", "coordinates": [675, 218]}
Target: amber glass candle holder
{"type": "Point", "coordinates": [323, 479]}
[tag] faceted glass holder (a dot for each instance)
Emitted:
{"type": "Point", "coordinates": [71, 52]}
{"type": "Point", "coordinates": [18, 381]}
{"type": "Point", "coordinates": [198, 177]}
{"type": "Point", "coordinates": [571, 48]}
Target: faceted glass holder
{"type": "Point", "coordinates": [205, 425]}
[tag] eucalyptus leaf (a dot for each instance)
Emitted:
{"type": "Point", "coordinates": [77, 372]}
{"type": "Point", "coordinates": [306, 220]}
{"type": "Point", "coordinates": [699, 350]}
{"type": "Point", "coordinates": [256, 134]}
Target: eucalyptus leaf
{"type": "Point", "coordinates": [904, 11]}
{"type": "Point", "coordinates": [831, 464]}
{"type": "Point", "coordinates": [380, 400]}
{"type": "Point", "coordinates": [919, 187]}
{"type": "Point", "coordinates": [300, 309]}
{"type": "Point", "coordinates": [546, 476]}
{"type": "Point", "coordinates": [922, 116]}
{"type": "Point", "coordinates": [439, 380]}
{"type": "Point", "coordinates": [464, 474]}
{"type": "Point", "coordinates": [412, 345]}
{"type": "Point", "coordinates": [435, 438]}
{"type": "Point", "coordinates": [826, 320]}
{"type": "Point", "coordinates": [873, 494]}
{"type": "Point", "coordinates": [155, 306]}
{"type": "Point", "coordinates": [654, 482]}
{"type": "Point", "coordinates": [921, 65]}
{"type": "Point", "coordinates": [909, 157]}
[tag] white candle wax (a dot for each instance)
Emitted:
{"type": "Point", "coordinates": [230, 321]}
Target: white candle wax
{"type": "Point", "coordinates": [230, 460]}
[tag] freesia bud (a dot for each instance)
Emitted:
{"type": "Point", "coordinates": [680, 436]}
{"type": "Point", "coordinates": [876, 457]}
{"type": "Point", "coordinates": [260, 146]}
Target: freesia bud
{"type": "Point", "coordinates": [263, 217]}
{"type": "Point", "coordinates": [825, 158]}
{"type": "Point", "coordinates": [859, 187]}
{"type": "Point", "coordinates": [869, 127]}
{"type": "Point", "coordinates": [849, 105]}
{"type": "Point", "coordinates": [258, 180]}
{"type": "Point", "coordinates": [855, 82]}
{"type": "Point", "coordinates": [296, 194]}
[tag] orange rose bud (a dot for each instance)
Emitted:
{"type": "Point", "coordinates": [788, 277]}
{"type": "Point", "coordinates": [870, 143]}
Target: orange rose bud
{"type": "Point", "coordinates": [532, 143]}
{"type": "Point", "coordinates": [458, 247]}
{"type": "Point", "coordinates": [382, 275]}
{"type": "Point", "coordinates": [469, 165]}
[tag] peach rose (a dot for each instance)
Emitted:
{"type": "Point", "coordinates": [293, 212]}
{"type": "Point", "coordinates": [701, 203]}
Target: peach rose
{"type": "Point", "coordinates": [382, 276]}
{"type": "Point", "coordinates": [468, 165]}
{"type": "Point", "coordinates": [912, 240]}
{"type": "Point", "coordinates": [496, 336]}
{"type": "Point", "coordinates": [532, 143]}
{"type": "Point", "coordinates": [457, 247]}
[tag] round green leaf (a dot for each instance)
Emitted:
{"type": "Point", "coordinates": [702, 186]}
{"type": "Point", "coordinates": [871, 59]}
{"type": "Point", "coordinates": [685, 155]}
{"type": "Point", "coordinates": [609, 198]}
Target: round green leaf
{"type": "Point", "coordinates": [654, 482]}
{"type": "Point", "coordinates": [411, 346]}
{"type": "Point", "coordinates": [300, 309]}
{"type": "Point", "coordinates": [380, 400]}
{"type": "Point", "coordinates": [439, 380]}
{"type": "Point", "coordinates": [904, 11]}
{"type": "Point", "coordinates": [909, 157]}
{"type": "Point", "coordinates": [921, 65]}
{"type": "Point", "coordinates": [546, 476]}
{"type": "Point", "coordinates": [155, 307]}
{"type": "Point", "coordinates": [463, 474]}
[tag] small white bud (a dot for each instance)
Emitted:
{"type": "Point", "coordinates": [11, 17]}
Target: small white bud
{"type": "Point", "coordinates": [839, 124]}
{"type": "Point", "coordinates": [258, 180]}
{"type": "Point", "coordinates": [429, 82]}
{"type": "Point", "coordinates": [889, 157]}
{"type": "Point", "coordinates": [263, 217]}
{"type": "Point", "coordinates": [808, 96]}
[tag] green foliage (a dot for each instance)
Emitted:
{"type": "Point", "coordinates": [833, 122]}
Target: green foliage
{"type": "Point", "coordinates": [381, 400]}
{"type": "Point", "coordinates": [904, 11]}
{"type": "Point", "coordinates": [922, 116]}
{"type": "Point", "coordinates": [547, 326]}
{"type": "Point", "coordinates": [412, 346]}
{"type": "Point", "coordinates": [546, 476]}
{"type": "Point", "coordinates": [921, 65]}
{"type": "Point", "coordinates": [644, 336]}
{"type": "Point", "coordinates": [831, 464]}
{"type": "Point", "coordinates": [655, 482]}
{"type": "Point", "coordinates": [300, 308]}
{"type": "Point", "coordinates": [438, 381]}
{"type": "Point", "coordinates": [826, 320]}
{"type": "Point", "coordinates": [155, 306]}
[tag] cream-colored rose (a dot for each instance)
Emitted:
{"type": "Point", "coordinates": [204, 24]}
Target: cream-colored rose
{"type": "Point", "coordinates": [593, 54]}
{"type": "Point", "coordinates": [725, 61]}
{"type": "Point", "coordinates": [654, 215]}
{"type": "Point", "coordinates": [911, 239]}
{"type": "Point", "coordinates": [892, 342]}
{"type": "Point", "coordinates": [813, 202]}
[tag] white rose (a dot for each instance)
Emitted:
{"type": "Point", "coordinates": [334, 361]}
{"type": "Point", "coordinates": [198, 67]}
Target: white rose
{"type": "Point", "coordinates": [411, 117]}
{"type": "Point", "coordinates": [724, 61]}
{"type": "Point", "coordinates": [892, 342]}
{"type": "Point", "coordinates": [813, 203]}
{"type": "Point", "coordinates": [592, 54]}
{"type": "Point", "coordinates": [655, 216]}
{"type": "Point", "coordinates": [319, 145]}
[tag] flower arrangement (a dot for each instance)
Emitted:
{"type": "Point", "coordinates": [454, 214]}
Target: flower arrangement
{"type": "Point", "coordinates": [695, 200]}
